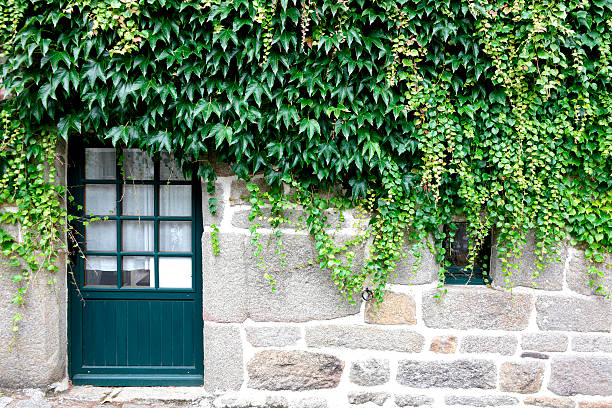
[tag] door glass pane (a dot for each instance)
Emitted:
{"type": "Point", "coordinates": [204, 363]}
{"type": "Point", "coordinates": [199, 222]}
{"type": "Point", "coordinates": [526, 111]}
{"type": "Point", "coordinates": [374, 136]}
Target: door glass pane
{"type": "Point", "coordinates": [174, 272]}
{"type": "Point", "coordinates": [168, 169]}
{"type": "Point", "coordinates": [175, 200]}
{"type": "Point", "coordinates": [138, 236]}
{"type": "Point", "coordinates": [101, 236]}
{"type": "Point", "coordinates": [138, 200]}
{"type": "Point", "coordinates": [101, 271]}
{"type": "Point", "coordinates": [100, 199]}
{"type": "Point", "coordinates": [137, 165]}
{"type": "Point", "coordinates": [175, 236]}
{"type": "Point", "coordinates": [138, 271]}
{"type": "Point", "coordinates": [100, 164]}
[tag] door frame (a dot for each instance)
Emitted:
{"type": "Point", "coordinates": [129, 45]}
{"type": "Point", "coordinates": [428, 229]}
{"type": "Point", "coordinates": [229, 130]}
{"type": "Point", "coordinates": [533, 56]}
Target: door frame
{"type": "Point", "coordinates": [136, 375]}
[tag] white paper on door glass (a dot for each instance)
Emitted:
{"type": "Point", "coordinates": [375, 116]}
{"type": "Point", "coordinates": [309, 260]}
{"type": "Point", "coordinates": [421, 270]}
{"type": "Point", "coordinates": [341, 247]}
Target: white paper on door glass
{"type": "Point", "coordinates": [137, 236]}
{"type": "Point", "coordinates": [100, 164]}
{"type": "Point", "coordinates": [174, 272]}
{"type": "Point", "coordinates": [100, 199]}
{"type": "Point", "coordinates": [168, 169]}
{"type": "Point", "coordinates": [101, 271]}
{"type": "Point", "coordinates": [175, 236]}
{"type": "Point", "coordinates": [175, 200]}
{"type": "Point", "coordinates": [137, 165]}
{"type": "Point", "coordinates": [138, 271]}
{"type": "Point", "coordinates": [138, 199]}
{"type": "Point", "coordinates": [101, 236]}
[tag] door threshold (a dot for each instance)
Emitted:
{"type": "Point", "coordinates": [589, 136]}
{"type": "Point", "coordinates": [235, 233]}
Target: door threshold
{"type": "Point", "coordinates": [138, 380]}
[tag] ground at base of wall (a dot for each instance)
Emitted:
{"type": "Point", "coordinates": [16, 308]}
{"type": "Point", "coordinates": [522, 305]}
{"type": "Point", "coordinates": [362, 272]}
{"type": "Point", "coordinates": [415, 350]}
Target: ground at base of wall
{"type": "Point", "coordinates": [101, 397]}
{"type": "Point", "coordinates": [175, 397]}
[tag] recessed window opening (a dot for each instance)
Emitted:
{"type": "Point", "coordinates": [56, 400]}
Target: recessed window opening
{"type": "Point", "coordinates": [460, 271]}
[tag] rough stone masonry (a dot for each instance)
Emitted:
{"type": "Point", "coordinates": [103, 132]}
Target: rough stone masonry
{"type": "Point", "coordinates": [304, 346]}
{"type": "Point", "coordinates": [476, 347]}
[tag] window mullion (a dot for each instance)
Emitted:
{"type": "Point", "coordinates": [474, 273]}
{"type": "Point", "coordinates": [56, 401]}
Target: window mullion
{"type": "Point", "coordinates": [156, 222]}
{"type": "Point", "coordinates": [119, 210]}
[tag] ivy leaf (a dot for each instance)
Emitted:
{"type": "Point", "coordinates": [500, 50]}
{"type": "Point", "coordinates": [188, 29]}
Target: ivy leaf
{"type": "Point", "coordinates": [206, 107]}
{"type": "Point", "coordinates": [256, 89]}
{"type": "Point", "coordinates": [93, 71]}
{"type": "Point", "coordinates": [359, 188]}
{"type": "Point", "coordinates": [221, 133]}
{"type": "Point", "coordinates": [118, 133]}
{"type": "Point", "coordinates": [498, 96]}
{"type": "Point", "coordinates": [372, 148]}
{"type": "Point", "coordinates": [44, 92]}
{"type": "Point", "coordinates": [124, 90]}
{"type": "Point", "coordinates": [59, 56]}
{"type": "Point", "coordinates": [161, 138]}
{"type": "Point", "coordinates": [327, 150]}
{"type": "Point", "coordinates": [311, 126]}
{"type": "Point", "coordinates": [66, 123]}
{"type": "Point", "coordinates": [212, 205]}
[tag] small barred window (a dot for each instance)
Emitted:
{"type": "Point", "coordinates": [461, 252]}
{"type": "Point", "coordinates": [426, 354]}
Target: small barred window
{"type": "Point", "coordinates": [461, 271]}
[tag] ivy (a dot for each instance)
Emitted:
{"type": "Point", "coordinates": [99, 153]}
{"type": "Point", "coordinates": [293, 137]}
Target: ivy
{"type": "Point", "coordinates": [34, 204]}
{"type": "Point", "coordinates": [11, 14]}
{"type": "Point", "coordinates": [115, 15]}
{"type": "Point", "coordinates": [415, 109]}
{"type": "Point", "coordinates": [214, 239]}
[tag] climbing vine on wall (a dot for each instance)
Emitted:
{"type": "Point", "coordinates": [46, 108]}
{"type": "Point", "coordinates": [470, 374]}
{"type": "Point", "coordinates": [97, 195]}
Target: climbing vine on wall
{"type": "Point", "coordinates": [416, 109]}
{"type": "Point", "coordinates": [11, 15]}
{"type": "Point", "coordinates": [33, 204]}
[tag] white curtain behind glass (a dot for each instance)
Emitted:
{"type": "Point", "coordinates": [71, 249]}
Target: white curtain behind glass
{"type": "Point", "coordinates": [101, 270]}
{"type": "Point", "coordinates": [168, 168]}
{"type": "Point", "coordinates": [175, 200]}
{"type": "Point", "coordinates": [139, 267]}
{"type": "Point", "coordinates": [175, 236]}
{"type": "Point", "coordinates": [102, 263]}
{"type": "Point", "coordinates": [139, 236]}
{"type": "Point", "coordinates": [100, 164]}
{"type": "Point", "coordinates": [101, 236]}
{"type": "Point", "coordinates": [139, 200]}
{"type": "Point", "coordinates": [137, 165]}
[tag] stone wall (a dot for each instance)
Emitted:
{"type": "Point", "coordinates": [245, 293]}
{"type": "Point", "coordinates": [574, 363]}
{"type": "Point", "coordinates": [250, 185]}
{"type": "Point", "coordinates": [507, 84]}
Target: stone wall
{"type": "Point", "coordinates": [304, 346]}
{"type": "Point", "coordinates": [38, 355]}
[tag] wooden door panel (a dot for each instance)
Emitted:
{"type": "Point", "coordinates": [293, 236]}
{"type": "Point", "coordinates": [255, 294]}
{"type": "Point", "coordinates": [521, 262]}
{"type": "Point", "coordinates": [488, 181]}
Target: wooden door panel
{"type": "Point", "coordinates": [129, 333]}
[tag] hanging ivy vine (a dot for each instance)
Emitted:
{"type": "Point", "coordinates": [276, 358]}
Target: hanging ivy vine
{"type": "Point", "coordinates": [33, 204]}
{"type": "Point", "coordinates": [418, 109]}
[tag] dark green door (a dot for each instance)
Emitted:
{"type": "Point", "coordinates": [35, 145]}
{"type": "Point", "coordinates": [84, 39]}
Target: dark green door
{"type": "Point", "coordinates": [135, 298]}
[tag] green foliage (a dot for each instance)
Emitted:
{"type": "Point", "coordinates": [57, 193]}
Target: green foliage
{"type": "Point", "coordinates": [32, 203]}
{"type": "Point", "coordinates": [214, 239]}
{"type": "Point", "coordinates": [418, 108]}
{"type": "Point", "coordinates": [333, 255]}
{"type": "Point", "coordinates": [115, 15]}
{"type": "Point", "coordinates": [11, 14]}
